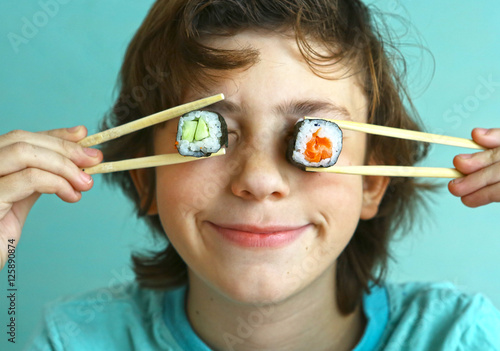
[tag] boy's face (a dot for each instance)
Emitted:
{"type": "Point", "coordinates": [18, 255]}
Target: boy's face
{"type": "Point", "coordinates": [249, 225]}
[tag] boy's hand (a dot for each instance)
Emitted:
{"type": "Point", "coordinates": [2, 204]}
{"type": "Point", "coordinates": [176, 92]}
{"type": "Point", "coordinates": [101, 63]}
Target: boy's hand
{"type": "Point", "coordinates": [481, 185]}
{"type": "Point", "coordinates": [35, 163]}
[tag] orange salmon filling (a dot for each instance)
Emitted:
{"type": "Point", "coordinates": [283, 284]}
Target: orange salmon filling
{"type": "Point", "coordinates": [318, 148]}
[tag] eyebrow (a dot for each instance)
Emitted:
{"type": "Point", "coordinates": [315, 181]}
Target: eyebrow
{"type": "Point", "coordinates": [301, 108]}
{"type": "Point", "coordinates": [227, 106]}
{"type": "Point", "coordinates": [295, 108]}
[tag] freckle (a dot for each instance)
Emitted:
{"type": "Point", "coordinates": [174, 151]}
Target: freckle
{"type": "Point", "coordinates": [197, 312]}
{"type": "Point", "coordinates": [211, 299]}
{"type": "Point", "coordinates": [287, 272]}
{"type": "Point", "coordinates": [307, 248]}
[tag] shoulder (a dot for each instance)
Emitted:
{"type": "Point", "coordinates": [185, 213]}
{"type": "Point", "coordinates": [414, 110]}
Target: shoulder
{"type": "Point", "coordinates": [123, 299]}
{"type": "Point", "coordinates": [110, 318]}
{"type": "Point", "coordinates": [439, 316]}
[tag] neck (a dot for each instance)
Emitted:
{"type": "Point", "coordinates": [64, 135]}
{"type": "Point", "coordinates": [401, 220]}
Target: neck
{"type": "Point", "coordinates": [308, 320]}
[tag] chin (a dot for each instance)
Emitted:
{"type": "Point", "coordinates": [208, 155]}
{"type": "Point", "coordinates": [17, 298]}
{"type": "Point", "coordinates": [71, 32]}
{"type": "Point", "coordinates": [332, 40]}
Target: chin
{"type": "Point", "coordinates": [259, 288]}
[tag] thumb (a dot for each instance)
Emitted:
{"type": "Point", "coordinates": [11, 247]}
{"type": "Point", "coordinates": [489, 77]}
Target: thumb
{"type": "Point", "coordinates": [489, 138]}
{"type": "Point", "coordinates": [73, 134]}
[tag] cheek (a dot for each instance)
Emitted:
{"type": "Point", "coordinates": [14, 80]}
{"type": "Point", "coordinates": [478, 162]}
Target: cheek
{"type": "Point", "coordinates": [178, 202]}
{"type": "Point", "coordinates": [186, 189]}
{"type": "Point", "coordinates": [337, 203]}
{"type": "Point", "coordinates": [338, 198]}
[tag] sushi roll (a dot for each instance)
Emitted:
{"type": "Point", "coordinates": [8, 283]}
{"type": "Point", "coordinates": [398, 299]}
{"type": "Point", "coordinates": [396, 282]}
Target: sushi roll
{"type": "Point", "coordinates": [201, 133]}
{"type": "Point", "coordinates": [315, 143]}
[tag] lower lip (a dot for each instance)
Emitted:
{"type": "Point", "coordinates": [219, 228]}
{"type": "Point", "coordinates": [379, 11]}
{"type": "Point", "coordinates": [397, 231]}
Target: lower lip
{"type": "Point", "coordinates": [251, 239]}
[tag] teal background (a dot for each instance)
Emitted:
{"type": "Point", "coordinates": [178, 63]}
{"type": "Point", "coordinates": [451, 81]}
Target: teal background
{"type": "Point", "coordinates": [65, 75]}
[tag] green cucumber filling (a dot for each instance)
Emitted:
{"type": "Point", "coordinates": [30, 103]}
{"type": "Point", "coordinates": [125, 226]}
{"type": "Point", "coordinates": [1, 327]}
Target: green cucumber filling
{"type": "Point", "coordinates": [195, 130]}
{"type": "Point", "coordinates": [188, 130]}
{"type": "Point", "coordinates": [201, 130]}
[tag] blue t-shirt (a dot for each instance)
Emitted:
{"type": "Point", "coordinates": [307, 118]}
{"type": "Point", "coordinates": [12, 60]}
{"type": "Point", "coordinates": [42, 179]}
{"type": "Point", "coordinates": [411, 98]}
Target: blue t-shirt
{"type": "Point", "coordinates": [413, 316]}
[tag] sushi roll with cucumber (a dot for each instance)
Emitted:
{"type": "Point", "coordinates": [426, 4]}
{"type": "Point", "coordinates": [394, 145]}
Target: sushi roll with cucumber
{"type": "Point", "coordinates": [315, 143]}
{"type": "Point", "coordinates": [201, 133]}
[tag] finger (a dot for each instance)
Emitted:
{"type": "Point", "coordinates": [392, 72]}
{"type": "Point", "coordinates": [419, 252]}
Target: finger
{"type": "Point", "coordinates": [83, 157]}
{"type": "Point", "coordinates": [489, 138]}
{"type": "Point", "coordinates": [483, 196]}
{"type": "Point", "coordinates": [469, 163]}
{"type": "Point", "coordinates": [21, 185]}
{"type": "Point", "coordinates": [73, 134]}
{"type": "Point", "coordinates": [19, 156]}
{"type": "Point", "coordinates": [475, 181]}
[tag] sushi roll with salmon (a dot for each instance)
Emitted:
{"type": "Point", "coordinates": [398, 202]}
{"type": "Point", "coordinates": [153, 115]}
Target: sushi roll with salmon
{"type": "Point", "coordinates": [315, 143]}
{"type": "Point", "coordinates": [201, 133]}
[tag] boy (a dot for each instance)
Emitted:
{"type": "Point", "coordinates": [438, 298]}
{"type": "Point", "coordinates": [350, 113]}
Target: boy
{"type": "Point", "coordinates": [262, 255]}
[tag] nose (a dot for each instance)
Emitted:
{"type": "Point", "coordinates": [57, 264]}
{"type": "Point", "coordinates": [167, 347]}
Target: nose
{"type": "Point", "coordinates": [261, 175]}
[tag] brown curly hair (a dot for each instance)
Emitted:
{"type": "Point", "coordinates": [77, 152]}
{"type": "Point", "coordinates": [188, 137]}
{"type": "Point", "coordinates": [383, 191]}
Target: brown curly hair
{"type": "Point", "coordinates": [166, 57]}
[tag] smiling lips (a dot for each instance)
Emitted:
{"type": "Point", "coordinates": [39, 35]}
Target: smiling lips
{"type": "Point", "coordinates": [256, 236]}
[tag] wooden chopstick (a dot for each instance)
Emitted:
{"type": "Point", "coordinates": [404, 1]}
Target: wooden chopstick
{"type": "Point", "coordinates": [391, 171]}
{"type": "Point", "coordinates": [404, 134]}
{"type": "Point", "coordinates": [145, 162]}
{"type": "Point", "coordinates": [398, 171]}
{"type": "Point", "coordinates": [149, 161]}
{"type": "Point", "coordinates": [148, 121]}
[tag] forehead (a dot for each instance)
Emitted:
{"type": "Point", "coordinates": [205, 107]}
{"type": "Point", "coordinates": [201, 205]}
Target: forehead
{"type": "Point", "coordinates": [282, 77]}
{"type": "Point", "coordinates": [322, 57]}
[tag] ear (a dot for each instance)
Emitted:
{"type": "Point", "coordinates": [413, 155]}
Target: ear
{"type": "Point", "coordinates": [141, 182]}
{"type": "Point", "coordinates": [374, 188]}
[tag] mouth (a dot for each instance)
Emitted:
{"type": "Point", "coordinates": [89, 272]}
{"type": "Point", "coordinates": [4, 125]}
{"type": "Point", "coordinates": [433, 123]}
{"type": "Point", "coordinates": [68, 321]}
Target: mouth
{"type": "Point", "coordinates": [271, 236]}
